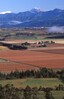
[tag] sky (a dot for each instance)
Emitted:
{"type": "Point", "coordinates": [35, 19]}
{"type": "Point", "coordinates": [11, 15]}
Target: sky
{"type": "Point", "coordinates": [24, 5]}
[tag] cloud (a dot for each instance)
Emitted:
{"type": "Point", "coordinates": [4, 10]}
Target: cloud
{"type": "Point", "coordinates": [56, 29]}
{"type": "Point", "coordinates": [5, 12]}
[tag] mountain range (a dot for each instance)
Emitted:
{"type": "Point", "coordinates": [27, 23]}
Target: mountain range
{"type": "Point", "coordinates": [33, 18]}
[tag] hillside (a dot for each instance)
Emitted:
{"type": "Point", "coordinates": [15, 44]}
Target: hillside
{"type": "Point", "coordinates": [33, 18]}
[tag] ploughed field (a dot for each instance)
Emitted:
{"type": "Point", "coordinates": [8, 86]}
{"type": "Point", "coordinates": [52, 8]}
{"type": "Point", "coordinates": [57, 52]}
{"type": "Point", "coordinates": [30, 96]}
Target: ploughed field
{"type": "Point", "coordinates": [50, 57]}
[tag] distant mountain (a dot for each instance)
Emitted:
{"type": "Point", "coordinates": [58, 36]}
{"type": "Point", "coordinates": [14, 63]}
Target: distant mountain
{"type": "Point", "coordinates": [33, 18]}
{"type": "Point", "coordinates": [36, 10]}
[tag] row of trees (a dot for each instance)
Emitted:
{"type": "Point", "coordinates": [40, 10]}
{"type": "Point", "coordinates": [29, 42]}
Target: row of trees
{"type": "Point", "coordinates": [13, 46]}
{"type": "Point", "coordinates": [41, 73]}
{"type": "Point", "coordinates": [10, 92]}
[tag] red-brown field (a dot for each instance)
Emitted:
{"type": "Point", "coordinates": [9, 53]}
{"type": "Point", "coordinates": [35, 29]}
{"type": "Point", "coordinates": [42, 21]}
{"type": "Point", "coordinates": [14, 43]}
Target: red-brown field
{"type": "Point", "coordinates": [30, 59]}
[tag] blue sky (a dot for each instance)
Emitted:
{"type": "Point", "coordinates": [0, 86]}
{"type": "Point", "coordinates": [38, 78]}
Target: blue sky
{"type": "Point", "coordinates": [24, 5]}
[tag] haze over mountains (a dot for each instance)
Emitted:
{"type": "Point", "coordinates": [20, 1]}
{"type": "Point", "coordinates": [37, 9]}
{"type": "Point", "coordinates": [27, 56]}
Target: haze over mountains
{"type": "Point", "coordinates": [32, 18]}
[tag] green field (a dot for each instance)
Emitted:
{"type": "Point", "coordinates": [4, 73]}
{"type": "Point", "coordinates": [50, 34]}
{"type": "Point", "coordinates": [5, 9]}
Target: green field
{"type": "Point", "coordinates": [55, 94]}
{"type": "Point", "coordinates": [44, 82]}
{"type": "Point", "coordinates": [58, 94]}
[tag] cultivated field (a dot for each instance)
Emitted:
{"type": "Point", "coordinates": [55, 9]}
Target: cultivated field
{"type": "Point", "coordinates": [59, 41]}
{"type": "Point", "coordinates": [33, 82]}
{"type": "Point", "coordinates": [50, 57]}
{"type": "Point", "coordinates": [34, 58]}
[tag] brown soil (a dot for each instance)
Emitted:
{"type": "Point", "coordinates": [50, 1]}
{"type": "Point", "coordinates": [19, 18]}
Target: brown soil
{"type": "Point", "coordinates": [24, 60]}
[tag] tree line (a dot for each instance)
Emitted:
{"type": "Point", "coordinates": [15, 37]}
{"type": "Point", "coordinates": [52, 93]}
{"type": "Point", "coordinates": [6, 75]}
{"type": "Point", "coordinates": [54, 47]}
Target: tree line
{"type": "Point", "coordinates": [10, 92]}
{"type": "Point", "coordinates": [41, 73]}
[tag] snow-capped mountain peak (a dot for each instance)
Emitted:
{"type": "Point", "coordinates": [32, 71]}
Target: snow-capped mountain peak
{"type": "Point", "coordinates": [5, 12]}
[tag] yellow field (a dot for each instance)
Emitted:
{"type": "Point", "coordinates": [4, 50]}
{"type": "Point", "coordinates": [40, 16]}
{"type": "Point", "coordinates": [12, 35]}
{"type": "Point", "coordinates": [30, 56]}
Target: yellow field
{"type": "Point", "coordinates": [3, 48]}
{"type": "Point", "coordinates": [61, 41]}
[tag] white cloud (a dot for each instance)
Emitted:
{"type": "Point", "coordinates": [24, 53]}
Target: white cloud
{"type": "Point", "coordinates": [14, 22]}
{"type": "Point", "coordinates": [56, 29]}
{"type": "Point", "coordinates": [5, 12]}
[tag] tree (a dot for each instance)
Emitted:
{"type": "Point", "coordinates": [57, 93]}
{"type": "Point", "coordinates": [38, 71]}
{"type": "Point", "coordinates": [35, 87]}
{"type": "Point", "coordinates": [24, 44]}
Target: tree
{"type": "Point", "coordinates": [48, 95]}
{"type": "Point", "coordinates": [27, 93]}
{"type": "Point", "coordinates": [35, 93]}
